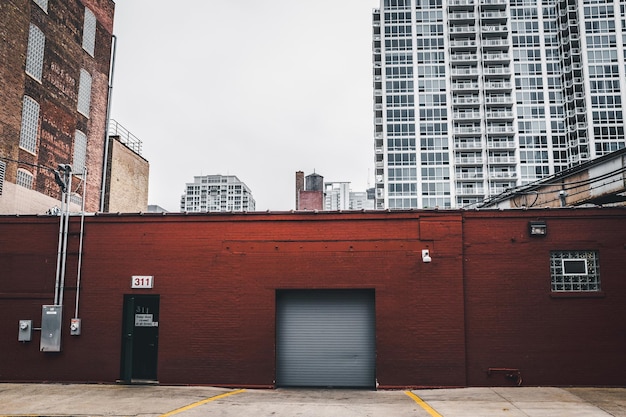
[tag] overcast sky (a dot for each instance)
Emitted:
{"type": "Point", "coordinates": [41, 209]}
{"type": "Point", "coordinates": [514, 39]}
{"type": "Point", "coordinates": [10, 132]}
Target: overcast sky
{"type": "Point", "coordinates": [256, 89]}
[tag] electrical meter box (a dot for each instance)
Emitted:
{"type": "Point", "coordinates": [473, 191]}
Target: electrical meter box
{"type": "Point", "coordinates": [25, 331]}
{"type": "Point", "coordinates": [51, 317]}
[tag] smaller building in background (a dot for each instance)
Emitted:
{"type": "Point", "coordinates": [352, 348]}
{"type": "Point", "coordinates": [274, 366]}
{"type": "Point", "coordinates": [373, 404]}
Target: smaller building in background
{"type": "Point", "coordinates": [215, 193]}
{"type": "Point", "coordinates": [312, 193]}
{"type": "Point", "coordinates": [126, 180]}
{"type": "Point", "coordinates": [309, 191]}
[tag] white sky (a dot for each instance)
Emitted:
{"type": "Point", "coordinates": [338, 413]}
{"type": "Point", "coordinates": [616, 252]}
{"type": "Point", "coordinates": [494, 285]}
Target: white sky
{"type": "Point", "coordinates": [254, 88]}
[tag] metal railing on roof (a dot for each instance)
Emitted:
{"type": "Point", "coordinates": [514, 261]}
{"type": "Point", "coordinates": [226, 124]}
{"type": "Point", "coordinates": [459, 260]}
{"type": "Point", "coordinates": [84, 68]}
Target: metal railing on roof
{"type": "Point", "coordinates": [127, 138]}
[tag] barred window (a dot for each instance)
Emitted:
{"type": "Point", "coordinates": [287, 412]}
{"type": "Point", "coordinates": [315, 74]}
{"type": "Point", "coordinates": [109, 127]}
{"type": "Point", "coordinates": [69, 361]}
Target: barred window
{"type": "Point", "coordinates": [3, 170]}
{"type": "Point", "coordinates": [84, 92]}
{"type": "Point", "coordinates": [80, 152]}
{"type": "Point", "coordinates": [89, 32]}
{"type": "Point", "coordinates": [43, 4]}
{"type": "Point", "coordinates": [34, 54]}
{"type": "Point", "coordinates": [575, 271]}
{"type": "Point", "coordinates": [30, 124]}
{"type": "Point", "coordinates": [24, 179]}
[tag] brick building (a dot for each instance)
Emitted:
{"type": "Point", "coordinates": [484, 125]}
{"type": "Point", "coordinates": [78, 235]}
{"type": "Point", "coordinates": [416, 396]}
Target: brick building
{"type": "Point", "coordinates": [53, 107]}
{"type": "Point", "coordinates": [320, 299]}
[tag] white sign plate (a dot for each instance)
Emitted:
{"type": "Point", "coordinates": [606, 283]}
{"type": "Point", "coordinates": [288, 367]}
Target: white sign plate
{"type": "Point", "coordinates": [142, 281]}
{"type": "Point", "coordinates": [145, 320]}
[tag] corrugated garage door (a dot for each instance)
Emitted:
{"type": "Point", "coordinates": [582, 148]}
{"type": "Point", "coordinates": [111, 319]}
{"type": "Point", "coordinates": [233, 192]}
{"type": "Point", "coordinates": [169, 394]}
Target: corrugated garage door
{"type": "Point", "coordinates": [325, 338]}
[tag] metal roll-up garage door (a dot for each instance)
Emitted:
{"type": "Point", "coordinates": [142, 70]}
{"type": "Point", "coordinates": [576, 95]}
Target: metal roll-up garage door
{"type": "Point", "coordinates": [325, 338]}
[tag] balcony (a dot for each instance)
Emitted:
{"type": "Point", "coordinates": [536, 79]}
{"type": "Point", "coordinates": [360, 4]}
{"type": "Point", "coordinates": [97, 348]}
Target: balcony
{"type": "Point", "coordinates": [471, 191]}
{"type": "Point", "coordinates": [499, 114]}
{"type": "Point", "coordinates": [466, 100]}
{"type": "Point", "coordinates": [466, 115]}
{"type": "Point", "coordinates": [500, 129]}
{"type": "Point", "coordinates": [464, 72]}
{"type": "Point", "coordinates": [499, 85]}
{"type": "Point", "coordinates": [468, 160]}
{"type": "Point", "coordinates": [464, 43]}
{"type": "Point", "coordinates": [462, 16]}
{"type": "Point", "coordinates": [501, 144]}
{"type": "Point", "coordinates": [507, 160]}
{"type": "Point", "coordinates": [463, 29]}
{"type": "Point", "coordinates": [475, 130]}
{"type": "Point", "coordinates": [463, 145]}
{"type": "Point", "coordinates": [499, 100]}
{"type": "Point", "coordinates": [464, 57]}
{"type": "Point", "coordinates": [464, 86]}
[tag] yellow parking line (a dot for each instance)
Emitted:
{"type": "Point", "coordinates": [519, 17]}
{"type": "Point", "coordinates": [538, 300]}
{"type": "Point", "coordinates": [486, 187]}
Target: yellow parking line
{"type": "Point", "coordinates": [422, 404]}
{"type": "Point", "coordinates": [208, 400]}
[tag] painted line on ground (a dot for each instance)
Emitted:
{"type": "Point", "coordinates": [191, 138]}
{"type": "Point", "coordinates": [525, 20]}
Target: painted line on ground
{"type": "Point", "coordinates": [208, 400]}
{"type": "Point", "coordinates": [422, 404]}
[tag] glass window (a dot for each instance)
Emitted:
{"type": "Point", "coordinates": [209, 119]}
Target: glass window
{"type": "Point", "coordinates": [24, 179]}
{"type": "Point", "coordinates": [30, 125]}
{"type": "Point", "coordinates": [34, 54]}
{"type": "Point", "coordinates": [84, 92]}
{"type": "Point", "coordinates": [43, 4]}
{"type": "Point", "coordinates": [89, 32]}
{"type": "Point", "coordinates": [80, 152]}
{"type": "Point", "coordinates": [575, 271]}
{"type": "Point", "coordinates": [3, 170]}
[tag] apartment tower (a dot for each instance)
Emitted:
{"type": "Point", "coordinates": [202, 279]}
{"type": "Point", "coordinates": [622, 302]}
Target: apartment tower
{"type": "Point", "coordinates": [475, 97]}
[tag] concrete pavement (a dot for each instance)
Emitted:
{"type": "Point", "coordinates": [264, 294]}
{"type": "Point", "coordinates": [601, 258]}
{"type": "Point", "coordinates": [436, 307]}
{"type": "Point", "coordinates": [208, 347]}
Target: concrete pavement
{"type": "Point", "coordinates": [193, 401]}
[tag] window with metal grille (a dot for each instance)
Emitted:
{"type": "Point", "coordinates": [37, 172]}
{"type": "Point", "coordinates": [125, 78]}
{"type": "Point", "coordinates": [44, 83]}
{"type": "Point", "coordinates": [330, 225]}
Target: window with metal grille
{"type": "Point", "coordinates": [30, 125]}
{"type": "Point", "coordinates": [34, 54]}
{"type": "Point", "coordinates": [80, 152]}
{"type": "Point", "coordinates": [43, 4]}
{"type": "Point", "coordinates": [84, 92]}
{"type": "Point", "coordinates": [24, 179]}
{"type": "Point", "coordinates": [3, 170]}
{"type": "Point", "coordinates": [575, 271]}
{"type": "Point", "coordinates": [89, 32]}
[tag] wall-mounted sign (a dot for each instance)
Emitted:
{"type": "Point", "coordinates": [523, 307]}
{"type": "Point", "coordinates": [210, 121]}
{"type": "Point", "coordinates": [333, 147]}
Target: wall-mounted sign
{"type": "Point", "coordinates": [142, 281]}
{"type": "Point", "coordinates": [145, 320]}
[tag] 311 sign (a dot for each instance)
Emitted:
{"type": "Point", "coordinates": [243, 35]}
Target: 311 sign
{"type": "Point", "coordinates": [142, 281]}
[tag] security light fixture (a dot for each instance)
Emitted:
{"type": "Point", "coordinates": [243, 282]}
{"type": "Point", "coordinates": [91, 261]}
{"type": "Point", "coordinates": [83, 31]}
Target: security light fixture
{"type": "Point", "coordinates": [426, 256]}
{"type": "Point", "coordinates": [537, 228]}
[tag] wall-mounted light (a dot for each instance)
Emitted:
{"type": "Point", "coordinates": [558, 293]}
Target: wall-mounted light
{"type": "Point", "coordinates": [426, 256]}
{"type": "Point", "coordinates": [537, 228]}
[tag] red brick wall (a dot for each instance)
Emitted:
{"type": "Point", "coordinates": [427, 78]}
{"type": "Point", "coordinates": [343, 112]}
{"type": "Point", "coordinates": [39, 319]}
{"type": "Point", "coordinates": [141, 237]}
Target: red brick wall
{"type": "Point", "coordinates": [513, 321]}
{"type": "Point", "coordinates": [484, 300]}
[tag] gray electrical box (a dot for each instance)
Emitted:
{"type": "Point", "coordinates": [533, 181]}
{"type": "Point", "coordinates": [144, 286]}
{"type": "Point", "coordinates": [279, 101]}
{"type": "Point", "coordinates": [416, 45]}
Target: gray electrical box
{"type": "Point", "coordinates": [25, 331]}
{"type": "Point", "coordinates": [75, 327]}
{"type": "Point", "coordinates": [51, 318]}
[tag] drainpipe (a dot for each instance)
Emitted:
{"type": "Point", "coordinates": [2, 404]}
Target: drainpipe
{"type": "Point", "coordinates": [105, 162]}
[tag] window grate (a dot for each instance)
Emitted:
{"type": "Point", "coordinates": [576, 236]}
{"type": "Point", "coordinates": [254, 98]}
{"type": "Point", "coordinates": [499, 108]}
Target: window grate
{"type": "Point", "coordinates": [89, 32]}
{"type": "Point", "coordinates": [34, 54]}
{"type": "Point", "coordinates": [24, 179]}
{"type": "Point", "coordinates": [43, 4]}
{"type": "Point", "coordinates": [30, 124]}
{"type": "Point", "coordinates": [3, 170]}
{"type": "Point", "coordinates": [575, 271]}
{"type": "Point", "coordinates": [84, 93]}
{"type": "Point", "coordinates": [80, 152]}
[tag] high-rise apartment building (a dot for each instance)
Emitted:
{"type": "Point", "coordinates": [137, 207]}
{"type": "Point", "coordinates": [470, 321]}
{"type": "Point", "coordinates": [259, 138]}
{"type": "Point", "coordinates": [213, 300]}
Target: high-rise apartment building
{"type": "Point", "coordinates": [475, 97]}
{"type": "Point", "coordinates": [54, 85]}
{"type": "Point", "coordinates": [212, 193]}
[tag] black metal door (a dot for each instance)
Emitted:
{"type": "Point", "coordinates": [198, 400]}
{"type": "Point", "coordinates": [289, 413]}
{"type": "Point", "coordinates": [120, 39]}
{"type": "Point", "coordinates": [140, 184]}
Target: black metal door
{"type": "Point", "coordinates": [140, 338]}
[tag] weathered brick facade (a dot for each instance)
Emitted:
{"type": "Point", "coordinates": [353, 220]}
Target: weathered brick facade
{"type": "Point", "coordinates": [56, 93]}
{"type": "Point", "coordinates": [483, 302]}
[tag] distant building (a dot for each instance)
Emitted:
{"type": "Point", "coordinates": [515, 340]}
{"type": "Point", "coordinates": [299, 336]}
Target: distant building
{"type": "Point", "coordinates": [54, 80]}
{"type": "Point", "coordinates": [126, 181]}
{"type": "Point", "coordinates": [312, 193]}
{"type": "Point", "coordinates": [336, 196]}
{"type": "Point", "coordinates": [362, 200]}
{"type": "Point", "coordinates": [214, 193]}
{"type": "Point", "coordinates": [309, 191]}
{"type": "Point", "coordinates": [153, 208]}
